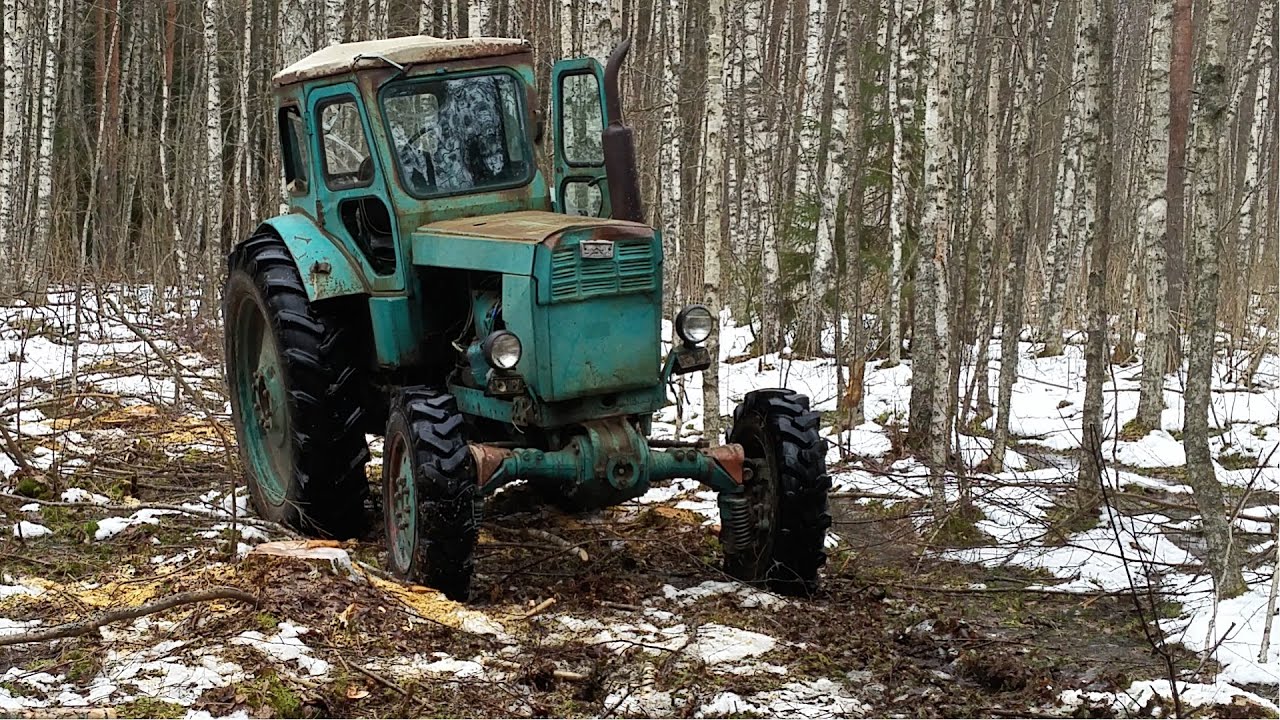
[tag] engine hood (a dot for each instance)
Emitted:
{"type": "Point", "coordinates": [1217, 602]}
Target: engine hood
{"type": "Point", "coordinates": [506, 242]}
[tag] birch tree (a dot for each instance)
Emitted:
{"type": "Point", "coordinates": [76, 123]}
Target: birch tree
{"type": "Point", "coordinates": [16, 38]}
{"type": "Point", "coordinates": [712, 199]}
{"type": "Point", "coordinates": [1210, 124]}
{"type": "Point", "coordinates": [1099, 141]}
{"type": "Point", "coordinates": [213, 138]}
{"type": "Point", "coordinates": [830, 176]}
{"type": "Point", "coordinates": [935, 241]}
{"type": "Point", "coordinates": [34, 255]}
{"type": "Point", "coordinates": [1153, 222]}
{"type": "Point", "coordinates": [901, 89]}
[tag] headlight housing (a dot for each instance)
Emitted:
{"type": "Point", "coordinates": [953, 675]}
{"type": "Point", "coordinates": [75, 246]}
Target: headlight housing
{"type": "Point", "coordinates": [502, 349]}
{"type": "Point", "coordinates": [694, 324]}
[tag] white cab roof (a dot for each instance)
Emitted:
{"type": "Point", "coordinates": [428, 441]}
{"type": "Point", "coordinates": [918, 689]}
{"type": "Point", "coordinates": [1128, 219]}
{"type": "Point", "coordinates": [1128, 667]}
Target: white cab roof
{"type": "Point", "coordinates": [413, 50]}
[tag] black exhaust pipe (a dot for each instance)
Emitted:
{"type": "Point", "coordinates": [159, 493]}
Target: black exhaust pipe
{"type": "Point", "coordinates": [619, 146]}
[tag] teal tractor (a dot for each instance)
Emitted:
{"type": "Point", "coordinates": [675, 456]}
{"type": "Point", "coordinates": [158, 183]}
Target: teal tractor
{"type": "Point", "coordinates": [493, 321]}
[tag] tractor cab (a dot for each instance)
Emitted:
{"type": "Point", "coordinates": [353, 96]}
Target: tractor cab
{"type": "Point", "coordinates": [380, 138]}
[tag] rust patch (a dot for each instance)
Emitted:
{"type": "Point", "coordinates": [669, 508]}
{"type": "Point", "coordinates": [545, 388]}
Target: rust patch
{"type": "Point", "coordinates": [488, 459]}
{"type": "Point", "coordinates": [731, 457]}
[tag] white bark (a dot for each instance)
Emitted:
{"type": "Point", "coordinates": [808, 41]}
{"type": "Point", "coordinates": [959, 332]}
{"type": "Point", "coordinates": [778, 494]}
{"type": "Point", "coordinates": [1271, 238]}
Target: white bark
{"type": "Point", "coordinates": [936, 236]}
{"type": "Point", "coordinates": [44, 154]}
{"type": "Point", "coordinates": [902, 82]}
{"type": "Point", "coordinates": [830, 178]}
{"type": "Point", "coordinates": [567, 47]}
{"type": "Point", "coordinates": [1152, 221]}
{"type": "Point", "coordinates": [213, 135]}
{"type": "Point", "coordinates": [333, 10]}
{"type": "Point", "coordinates": [166, 94]}
{"type": "Point", "coordinates": [811, 107]}
{"type": "Point", "coordinates": [16, 38]}
{"type": "Point", "coordinates": [245, 205]}
{"type": "Point", "coordinates": [713, 190]}
{"type": "Point", "coordinates": [295, 30]}
{"type": "Point", "coordinates": [1263, 113]}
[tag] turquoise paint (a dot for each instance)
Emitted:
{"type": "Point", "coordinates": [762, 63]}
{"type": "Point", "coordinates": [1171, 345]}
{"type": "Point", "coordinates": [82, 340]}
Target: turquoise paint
{"type": "Point", "coordinates": [327, 200]}
{"type": "Point", "coordinates": [473, 401]}
{"type": "Point", "coordinates": [517, 314]}
{"type": "Point", "coordinates": [592, 339]}
{"type": "Point", "coordinates": [395, 332]}
{"type": "Point", "coordinates": [404, 508]}
{"type": "Point", "coordinates": [616, 467]}
{"type": "Point", "coordinates": [565, 173]}
{"type": "Point", "coordinates": [312, 251]}
{"type": "Point", "coordinates": [472, 253]}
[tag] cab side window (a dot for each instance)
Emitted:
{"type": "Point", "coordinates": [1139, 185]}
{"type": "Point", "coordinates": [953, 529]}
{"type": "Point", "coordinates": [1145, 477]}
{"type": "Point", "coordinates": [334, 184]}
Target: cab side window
{"type": "Point", "coordinates": [347, 162]}
{"type": "Point", "coordinates": [293, 149]}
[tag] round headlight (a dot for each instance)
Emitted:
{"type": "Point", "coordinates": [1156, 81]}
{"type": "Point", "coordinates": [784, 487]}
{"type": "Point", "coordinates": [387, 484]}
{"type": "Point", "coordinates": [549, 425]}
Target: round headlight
{"type": "Point", "coordinates": [502, 349]}
{"type": "Point", "coordinates": [694, 324]}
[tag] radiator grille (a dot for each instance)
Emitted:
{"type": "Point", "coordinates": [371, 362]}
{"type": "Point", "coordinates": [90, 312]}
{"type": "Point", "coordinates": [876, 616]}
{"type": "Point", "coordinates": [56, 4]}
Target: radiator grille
{"type": "Point", "coordinates": [573, 278]}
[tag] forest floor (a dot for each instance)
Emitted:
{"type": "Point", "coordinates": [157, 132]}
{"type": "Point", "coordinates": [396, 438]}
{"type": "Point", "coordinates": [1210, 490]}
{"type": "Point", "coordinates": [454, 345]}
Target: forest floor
{"type": "Point", "coordinates": [118, 492]}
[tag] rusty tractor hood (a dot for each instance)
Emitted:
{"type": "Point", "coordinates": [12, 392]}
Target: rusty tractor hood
{"type": "Point", "coordinates": [506, 242]}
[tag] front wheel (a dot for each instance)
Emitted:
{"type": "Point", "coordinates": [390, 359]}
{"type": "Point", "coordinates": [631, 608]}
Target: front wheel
{"type": "Point", "coordinates": [431, 501]}
{"type": "Point", "coordinates": [776, 534]}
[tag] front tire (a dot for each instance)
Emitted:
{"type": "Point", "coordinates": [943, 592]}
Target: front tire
{"type": "Point", "coordinates": [785, 520]}
{"type": "Point", "coordinates": [431, 501]}
{"type": "Point", "coordinates": [295, 397]}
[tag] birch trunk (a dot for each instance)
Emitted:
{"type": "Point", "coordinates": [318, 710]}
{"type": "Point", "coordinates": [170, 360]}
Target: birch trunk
{"type": "Point", "coordinates": [713, 194]}
{"type": "Point", "coordinates": [936, 245]}
{"type": "Point", "coordinates": [15, 37]}
{"type": "Point", "coordinates": [166, 94]}
{"type": "Point", "coordinates": [1058, 260]}
{"type": "Point", "coordinates": [855, 155]}
{"type": "Point", "coordinates": [333, 11]}
{"type": "Point", "coordinates": [1210, 126]}
{"type": "Point", "coordinates": [902, 82]}
{"type": "Point", "coordinates": [213, 140]}
{"type": "Point", "coordinates": [830, 180]}
{"type": "Point", "coordinates": [34, 258]}
{"type": "Point", "coordinates": [1153, 222]}
{"type": "Point", "coordinates": [1098, 163]}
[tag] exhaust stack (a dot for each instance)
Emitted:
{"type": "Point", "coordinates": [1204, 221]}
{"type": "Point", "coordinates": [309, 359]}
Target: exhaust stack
{"type": "Point", "coordinates": [619, 145]}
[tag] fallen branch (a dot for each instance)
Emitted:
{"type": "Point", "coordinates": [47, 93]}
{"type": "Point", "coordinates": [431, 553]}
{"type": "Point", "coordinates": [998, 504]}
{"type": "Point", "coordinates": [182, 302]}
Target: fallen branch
{"type": "Point", "coordinates": [575, 548]}
{"type": "Point", "coordinates": [539, 608]}
{"type": "Point", "coordinates": [15, 452]}
{"type": "Point", "coordinates": [83, 627]}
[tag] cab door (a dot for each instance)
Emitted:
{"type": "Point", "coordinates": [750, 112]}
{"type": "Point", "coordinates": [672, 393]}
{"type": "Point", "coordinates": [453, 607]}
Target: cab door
{"type": "Point", "coordinates": [351, 189]}
{"type": "Point", "coordinates": [578, 109]}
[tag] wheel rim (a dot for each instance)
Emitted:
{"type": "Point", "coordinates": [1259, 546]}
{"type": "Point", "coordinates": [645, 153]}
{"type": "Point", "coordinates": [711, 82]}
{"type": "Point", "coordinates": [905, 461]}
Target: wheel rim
{"type": "Point", "coordinates": [401, 529]}
{"type": "Point", "coordinates": [263, 403]}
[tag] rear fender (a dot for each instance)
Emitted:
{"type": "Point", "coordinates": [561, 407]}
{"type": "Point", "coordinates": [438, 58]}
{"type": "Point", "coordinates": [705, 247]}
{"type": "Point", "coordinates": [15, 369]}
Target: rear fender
{"type": "Point", "coordinates": [326, 270]}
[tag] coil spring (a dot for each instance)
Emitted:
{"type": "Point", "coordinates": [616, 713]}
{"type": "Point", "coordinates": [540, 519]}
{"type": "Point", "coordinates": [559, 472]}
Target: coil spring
{"type": "Point", "coordinates": [737, 528]}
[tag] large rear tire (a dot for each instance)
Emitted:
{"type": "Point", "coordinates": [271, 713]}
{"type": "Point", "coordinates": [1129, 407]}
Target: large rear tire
{"type": "Point", "coordinates": [295, 396]}
{"type": "Point", "coordinates": [431, 501]}
{"type": "Point", "coordinates": [781, 537]}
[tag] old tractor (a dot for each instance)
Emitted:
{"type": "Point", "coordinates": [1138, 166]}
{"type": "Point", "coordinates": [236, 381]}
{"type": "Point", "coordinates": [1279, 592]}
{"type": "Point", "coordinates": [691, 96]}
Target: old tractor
{"type": "Point", "coordinates": [495, 321]}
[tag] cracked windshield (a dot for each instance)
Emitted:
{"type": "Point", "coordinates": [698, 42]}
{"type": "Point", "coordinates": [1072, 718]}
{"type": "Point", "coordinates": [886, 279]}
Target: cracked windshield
{"type": "Point", "coordinates": [458, 135]}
